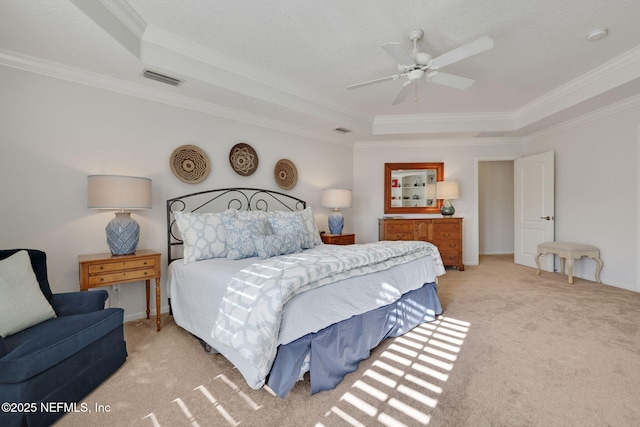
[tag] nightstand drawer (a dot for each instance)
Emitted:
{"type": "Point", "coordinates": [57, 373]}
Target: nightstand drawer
{"type": "Point", "coordinates": [338, 239]}
{"type": "Point", "coordinates": [122, 276]}
{"type": "Point", "coordinates": [121, 265]}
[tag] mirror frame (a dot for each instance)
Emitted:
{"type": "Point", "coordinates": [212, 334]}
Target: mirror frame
{"type": "Point", "coordinates": [388, 170]}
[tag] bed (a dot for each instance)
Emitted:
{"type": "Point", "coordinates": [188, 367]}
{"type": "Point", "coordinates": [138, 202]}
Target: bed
{"type": "Point", "coordinates": [250, 277]}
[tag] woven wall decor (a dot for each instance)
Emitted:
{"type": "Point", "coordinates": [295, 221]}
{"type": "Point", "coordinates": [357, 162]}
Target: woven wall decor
{"type": "Point", "coordinates": [243, 159]}
{"type": "Point", "coordinates": [189, 164]}
{"type": "Point", "coordinates": [286, 174]}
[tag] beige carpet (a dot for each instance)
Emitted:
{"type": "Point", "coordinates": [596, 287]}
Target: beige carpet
{"type": "Point", "coordinates": [512, 349]}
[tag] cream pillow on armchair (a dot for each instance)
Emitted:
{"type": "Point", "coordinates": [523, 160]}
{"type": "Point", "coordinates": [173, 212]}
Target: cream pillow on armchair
{"type": "Point", "coordinates": [22, 303]}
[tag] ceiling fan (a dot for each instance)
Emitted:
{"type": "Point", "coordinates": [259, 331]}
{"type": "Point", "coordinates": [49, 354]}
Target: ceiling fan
{"type": "Point", "coordinates": [418, 64]}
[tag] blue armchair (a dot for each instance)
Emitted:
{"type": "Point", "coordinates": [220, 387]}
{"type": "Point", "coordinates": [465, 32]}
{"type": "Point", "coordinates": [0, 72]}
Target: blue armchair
{"type": "Point", "coordinates": [61, 359]}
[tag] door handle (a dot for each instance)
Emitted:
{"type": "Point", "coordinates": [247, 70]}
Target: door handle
{"type": "Point", "coordinates": [548, 218]}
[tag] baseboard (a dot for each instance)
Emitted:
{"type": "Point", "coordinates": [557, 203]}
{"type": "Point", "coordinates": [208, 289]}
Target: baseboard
{"type": "Point", "coordinates": [143, 314]}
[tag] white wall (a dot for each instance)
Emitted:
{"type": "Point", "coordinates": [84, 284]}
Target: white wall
{"type": "Point", "coordinates": [597, 189]}
{"type": "Point", "coordinates": [495, 207]}
{"type": "Point", "coordinates": [54, 133]}
{"type": "Point", "coordinates": [597, 185]}
{"type": "Point", "coordinates": [459, 157]}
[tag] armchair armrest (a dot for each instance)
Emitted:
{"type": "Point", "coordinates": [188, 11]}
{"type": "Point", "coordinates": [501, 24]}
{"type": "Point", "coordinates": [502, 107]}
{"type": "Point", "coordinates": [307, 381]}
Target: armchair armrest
{"type": "Point", "coordinates": [70, 303]}
{"type": "Point", "coordinates": [3, 348]}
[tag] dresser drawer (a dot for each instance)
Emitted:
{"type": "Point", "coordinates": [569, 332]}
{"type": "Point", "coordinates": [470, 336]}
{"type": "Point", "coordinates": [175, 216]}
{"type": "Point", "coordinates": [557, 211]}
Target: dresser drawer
{"type": "Point", "coordinates": [399, 231]}
{"type": "Point", "coordinates": [446, 233]}
{"type": "Point", "coordinates": [121, 265]}
{"type": "Point", "coordinates": [450, 258]}
{"type": "Point", "coordinates": [448, 245]}
{"type": "Point", "coordinates": [122, 276]}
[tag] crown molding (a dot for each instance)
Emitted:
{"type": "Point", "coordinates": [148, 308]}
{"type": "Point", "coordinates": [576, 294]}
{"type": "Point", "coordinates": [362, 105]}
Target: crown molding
{"type": "Point", "coordinates": [169, 52]}
{"type": "Point", "coordinates": [454, 142]}
{"type": "Point", "coordinates": [99, 81]}
{"type": "Point", "coordinates": [614, 73]}
{"type": "Point", "coordinates": [617, 107]}
{"type": "Point", "coordinates": [618, 71]}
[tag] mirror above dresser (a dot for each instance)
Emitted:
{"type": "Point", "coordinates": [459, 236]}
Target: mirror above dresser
{"type": "Point", "coordinates": [411, 187]}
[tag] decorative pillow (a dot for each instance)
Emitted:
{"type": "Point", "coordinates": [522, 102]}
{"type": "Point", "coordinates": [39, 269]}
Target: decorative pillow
{"type": "Point", "coordinates": [204, 235]}
{"type": "Point", "coordinates": [310, 227]}
{"type": "Point", "coordinates": [251, 215]}
{"type": "Point", "coordinates": [22, 303]}
{"type": "Point", "coordinates": [277, 244]}
{"type": "Point", "coordinates": [241, 235]}
{"type": "Point", "coordinates": [291, 224]}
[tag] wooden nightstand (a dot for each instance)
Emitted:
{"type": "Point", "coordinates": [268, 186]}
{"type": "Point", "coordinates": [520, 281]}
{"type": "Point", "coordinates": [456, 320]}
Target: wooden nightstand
{"type": "Point", "coordinates": [338, 239]}
{"type": "Point", "coordinates": [105, 269]}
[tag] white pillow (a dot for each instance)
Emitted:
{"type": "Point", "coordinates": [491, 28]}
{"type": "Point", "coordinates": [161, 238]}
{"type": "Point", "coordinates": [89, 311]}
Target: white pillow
{"type": "Point", "coordinates": [313, 234]}
{"type": "Point", "coordinates": [203, 234]}
{"type": "Point", "coordinates": [22, 303]}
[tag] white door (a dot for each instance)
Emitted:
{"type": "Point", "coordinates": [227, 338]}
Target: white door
{"type": "Point", "coordinates": [534, 181]}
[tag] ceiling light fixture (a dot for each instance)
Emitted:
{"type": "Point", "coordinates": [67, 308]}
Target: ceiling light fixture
{"type": "Point", "coordinates": [597, 34]}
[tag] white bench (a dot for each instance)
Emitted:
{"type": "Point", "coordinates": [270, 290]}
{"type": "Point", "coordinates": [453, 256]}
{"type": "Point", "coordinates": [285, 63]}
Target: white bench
{"type": "Point", "coordinates": [570, 252]}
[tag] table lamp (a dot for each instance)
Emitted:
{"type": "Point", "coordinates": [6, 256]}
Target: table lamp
{"type": "Point", "coordinates": [336, 199]}
{"type": "Point", "coordinates": [122, 193]}
{"type": "Point", "coordinates": [447, 190]}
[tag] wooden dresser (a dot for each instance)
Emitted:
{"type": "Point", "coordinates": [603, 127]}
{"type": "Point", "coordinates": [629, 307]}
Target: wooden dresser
{"type": "Point", "coordinates": [445, 233]}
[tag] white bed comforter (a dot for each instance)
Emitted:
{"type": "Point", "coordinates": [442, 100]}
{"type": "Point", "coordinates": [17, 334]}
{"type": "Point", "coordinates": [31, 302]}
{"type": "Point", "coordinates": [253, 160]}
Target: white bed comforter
{"type": "Point", "coordinates": [249, 316]}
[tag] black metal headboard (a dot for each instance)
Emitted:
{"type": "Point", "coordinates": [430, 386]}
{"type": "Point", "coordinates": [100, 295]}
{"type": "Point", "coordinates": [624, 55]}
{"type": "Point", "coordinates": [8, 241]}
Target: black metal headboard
{"type": "Point", "coordinates": [244, 199]}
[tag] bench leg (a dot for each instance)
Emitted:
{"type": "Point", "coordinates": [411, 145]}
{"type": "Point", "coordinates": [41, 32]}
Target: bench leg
{"type": "Point", "coordinates": [598, 269]}
{"type": "Point", "coordinates": [570, 270]}
{"type": "Point", "coordinates": [537, 259]}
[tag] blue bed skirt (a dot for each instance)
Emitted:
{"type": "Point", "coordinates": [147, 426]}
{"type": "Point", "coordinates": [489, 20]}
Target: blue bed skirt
{"type": "Point", "coordinates": [337, 350]}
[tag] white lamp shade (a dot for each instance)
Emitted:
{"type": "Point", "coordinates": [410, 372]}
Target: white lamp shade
{"type": "Point", "coordinates": [118, 192]}
{"type": "Point", "coordinates": [431, 191]}
{"type": "Point", "coordinates": [336, 198]}
{"type": "Point", "coordinates": [447, 190]}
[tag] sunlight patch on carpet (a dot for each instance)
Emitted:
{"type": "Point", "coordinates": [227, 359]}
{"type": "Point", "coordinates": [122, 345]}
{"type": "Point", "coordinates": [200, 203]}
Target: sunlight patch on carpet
{"type": "Point", "coordinates": [226, 416]}
{"type": "Point", "coordinates": [402, 385]}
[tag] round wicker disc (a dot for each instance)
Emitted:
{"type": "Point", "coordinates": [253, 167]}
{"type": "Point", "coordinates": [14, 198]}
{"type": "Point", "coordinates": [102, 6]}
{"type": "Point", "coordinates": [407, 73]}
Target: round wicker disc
{"type": "Point", "coordinates": [243, 159]}
{"type": "Point", "coordinates": [286, 174]}
{"type": "Point", "coordinates": [189, 164]}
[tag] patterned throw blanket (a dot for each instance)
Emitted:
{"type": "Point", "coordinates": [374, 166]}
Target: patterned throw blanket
{"type": "Point", "coordinates": [249, 317]}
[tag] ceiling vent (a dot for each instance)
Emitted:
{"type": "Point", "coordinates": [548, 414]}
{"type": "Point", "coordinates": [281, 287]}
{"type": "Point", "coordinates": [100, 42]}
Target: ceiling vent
{"type": "Point", "coordinates": [161, 78]}
{"type": "Point", "coordinates": [342, 130]}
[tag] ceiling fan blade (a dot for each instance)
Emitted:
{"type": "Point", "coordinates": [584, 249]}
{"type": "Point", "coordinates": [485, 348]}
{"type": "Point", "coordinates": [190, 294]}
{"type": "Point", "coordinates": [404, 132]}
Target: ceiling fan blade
{"type": "Point", "coordinates": [450, 80]}
{"type": "Point", "coordinates": [398, 53]}
{"type": "Point", "coordinates": [462, 52]}
{"type": "Point", "coordinates": [404, 91]}
{"type": "Point", "coordinates": [370, 82]}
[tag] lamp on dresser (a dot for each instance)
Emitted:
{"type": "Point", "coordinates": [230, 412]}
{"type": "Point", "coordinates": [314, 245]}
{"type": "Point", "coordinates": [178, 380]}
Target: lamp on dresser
{"type": "Point", "coordinates": [447, 190]}
{"type": "Point", "coordinates": [121, 193]}
{"type": "Point", "coordinates": [336, 199]}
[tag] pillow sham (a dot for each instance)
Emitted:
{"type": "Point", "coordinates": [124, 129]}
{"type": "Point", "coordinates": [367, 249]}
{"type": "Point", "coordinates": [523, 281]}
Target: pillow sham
{"type": "Point", "coordinates": [252, 215]}
{"type": "Point", "coordinates": [241, 234]}
{"type": "Point", "coordinates": [204, 235]}
{"type": "Point", "coordinates": [277, 244]}
{"type": "Point", "coordinates": [22, 303]}
{"type": "Point", "coordinates": [311, 229]}
{"type": "Point", "coordinates": [291, 224]}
